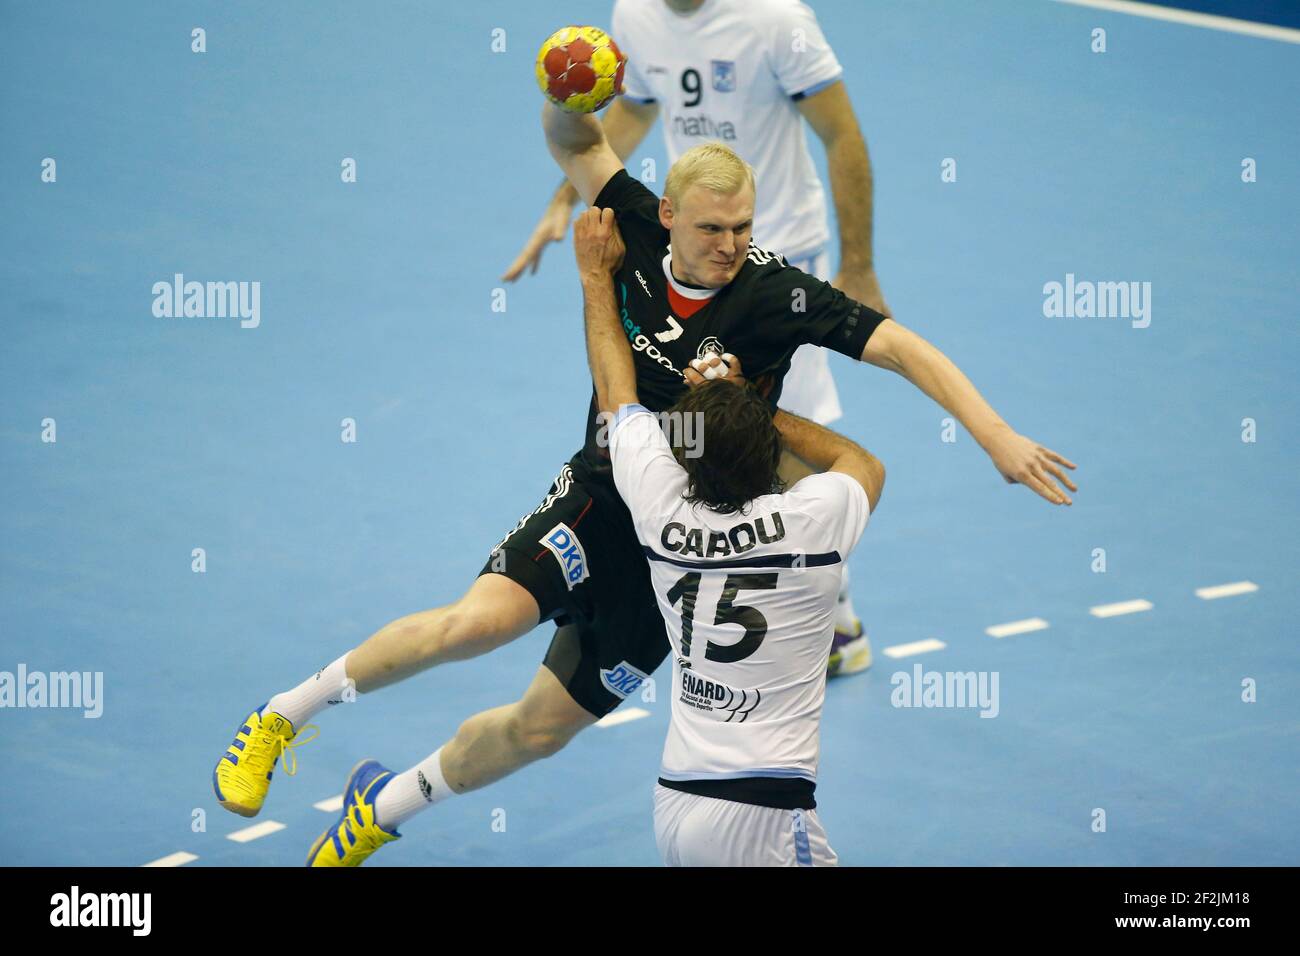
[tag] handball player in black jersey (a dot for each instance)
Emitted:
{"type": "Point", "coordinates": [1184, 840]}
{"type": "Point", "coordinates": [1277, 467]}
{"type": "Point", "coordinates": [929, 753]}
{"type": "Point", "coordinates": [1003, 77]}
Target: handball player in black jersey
{"type": "Point", "coordinates": [576, 560]}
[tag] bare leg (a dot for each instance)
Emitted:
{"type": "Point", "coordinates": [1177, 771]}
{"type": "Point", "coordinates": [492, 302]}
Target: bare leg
{"type": "Point", "coordinates": [497, 742]}
{"type": "Point", "coordinates": [494, 611]}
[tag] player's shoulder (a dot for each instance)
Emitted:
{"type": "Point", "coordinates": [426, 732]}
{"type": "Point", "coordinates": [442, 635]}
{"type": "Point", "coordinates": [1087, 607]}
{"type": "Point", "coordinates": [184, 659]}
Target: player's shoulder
{"type": "Point", "coordinates": [826, 486]}
{"type": "Point", "coordinates": [828, 496]}
{"type": "Point", "coordinates": [765, 270]}
{"type": "Point", "coordinates": [630, 199]}
{"type": "Point", "coordinates": [763, 286]}
{"type": "Point", "coordinates": [638, 23]}
{"type": "Point", "coordinates": [775, 13]}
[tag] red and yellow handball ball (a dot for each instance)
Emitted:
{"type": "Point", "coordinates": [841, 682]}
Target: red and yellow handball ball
{"type": "Point", "coordinates": [580, 69]}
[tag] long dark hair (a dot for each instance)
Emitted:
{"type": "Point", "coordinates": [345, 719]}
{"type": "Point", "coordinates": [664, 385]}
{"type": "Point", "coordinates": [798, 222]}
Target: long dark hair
{"type": "Point", "coordinates": [740, 447]}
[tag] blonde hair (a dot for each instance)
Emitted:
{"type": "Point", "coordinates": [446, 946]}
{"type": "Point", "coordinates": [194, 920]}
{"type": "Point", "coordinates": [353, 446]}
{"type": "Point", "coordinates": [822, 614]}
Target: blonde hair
{"type": "Point", "coordinates": [712, 166]}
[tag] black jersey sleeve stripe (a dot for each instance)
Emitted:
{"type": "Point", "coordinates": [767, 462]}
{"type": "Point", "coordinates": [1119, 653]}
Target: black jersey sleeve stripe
{"type": "Point", "coordinates": [851, 335]}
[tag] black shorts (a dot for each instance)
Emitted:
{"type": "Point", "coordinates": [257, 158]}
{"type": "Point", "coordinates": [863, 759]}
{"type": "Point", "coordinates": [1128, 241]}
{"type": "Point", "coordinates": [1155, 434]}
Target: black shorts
{"type": "Point", "coordinates": [579, 557]}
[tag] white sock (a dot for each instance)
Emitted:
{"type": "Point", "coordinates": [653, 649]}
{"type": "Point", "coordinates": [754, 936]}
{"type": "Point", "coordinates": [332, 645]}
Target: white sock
{"type": "Point", "coordinates": [408, 793]}
{"type": "Point", "coordinates": [309, 698]}
{"type": "Point", "coordinates": [846, 618]}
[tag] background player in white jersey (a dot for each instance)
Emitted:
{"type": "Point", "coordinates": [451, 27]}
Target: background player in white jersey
{"type": "Point", "coordinates": [745, 575]}
{"type": "Point", "coordinates": [746, 73]}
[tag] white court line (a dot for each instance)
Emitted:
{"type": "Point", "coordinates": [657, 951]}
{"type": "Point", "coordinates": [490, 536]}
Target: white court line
{"type": "Point", "coordinates": [1151, 11]}
{"type": "Point", "coordinates": [173, 859]}
{"type": "Point", "coordinates": [1226, 590]}
{"type": "Point", "coordinates": [916, 647]}
{"type": "Point", "coordinates": [1123, 607]}
{"type": "Point", "coordinates": [622, 717]}
{"type": "Point", "coordinates": [1016, 627]}
{"type": "Point", "coordinates": [332, 805]}
{"type": "Point", "coordinates": [256, 831]}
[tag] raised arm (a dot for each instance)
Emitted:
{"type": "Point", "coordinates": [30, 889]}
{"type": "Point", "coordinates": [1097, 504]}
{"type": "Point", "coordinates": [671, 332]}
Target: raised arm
{"type": "Point", "coordinates": [1018, 458]}
{"type": "Point", "coordinates": [578, 143]}
{"type": "Point", "coordinates": [598, 248]}
{"type": "Point", "coordinates": [825, 450]}
{"type": "Point", "coordinates": [626, 123]}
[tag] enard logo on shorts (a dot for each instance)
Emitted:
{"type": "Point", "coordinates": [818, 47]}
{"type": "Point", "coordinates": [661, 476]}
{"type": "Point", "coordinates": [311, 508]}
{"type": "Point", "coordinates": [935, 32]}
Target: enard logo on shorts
{"type": "Point", "coordinates": [622, 679]}
{"type": "Point", "coordinates": [717, 698]}
{"type": "Point", "coordinates": [564, 544]}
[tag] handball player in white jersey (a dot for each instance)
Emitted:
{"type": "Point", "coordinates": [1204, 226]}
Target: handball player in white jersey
{"type": "Point", "coordinates": [747, 73]}
{"type": "Point", "coordinates": [745, 574]}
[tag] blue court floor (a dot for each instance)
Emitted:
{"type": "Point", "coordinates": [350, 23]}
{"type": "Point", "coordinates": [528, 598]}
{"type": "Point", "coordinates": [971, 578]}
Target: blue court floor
{"type": "Point", "coordinates": [376, 305]}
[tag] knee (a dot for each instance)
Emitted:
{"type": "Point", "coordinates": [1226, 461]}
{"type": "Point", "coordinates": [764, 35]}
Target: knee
{"type": "Point", "coordinates": [539, 738]}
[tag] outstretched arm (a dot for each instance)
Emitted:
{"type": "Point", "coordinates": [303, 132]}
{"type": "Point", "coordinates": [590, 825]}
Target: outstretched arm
{"type": "Point", "coordinates": [1019, 459]}
{"type": "Point", "coordinates": [599, 250]}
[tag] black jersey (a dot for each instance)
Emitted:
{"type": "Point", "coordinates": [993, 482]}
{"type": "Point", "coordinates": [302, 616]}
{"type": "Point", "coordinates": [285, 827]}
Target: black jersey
{"type": "Point", "coordinates": [761, 316]}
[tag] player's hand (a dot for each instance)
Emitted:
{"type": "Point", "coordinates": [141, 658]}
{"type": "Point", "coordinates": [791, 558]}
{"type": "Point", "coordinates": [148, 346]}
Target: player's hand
{"type": "Point", "coordinates": [554, 224]}
{"type": "Point", "coordinates": [597, 243]}
{"type": "Point", "coordinates": [1023, 461]}
{"type": "Point", "coordinates": [712, 366]}
{"type": "Point", "coordinates": [862, 285]}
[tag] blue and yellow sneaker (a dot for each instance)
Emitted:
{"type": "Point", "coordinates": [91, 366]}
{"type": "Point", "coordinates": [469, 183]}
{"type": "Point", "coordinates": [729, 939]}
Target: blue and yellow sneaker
{"type": "Point", "coordinates": [243, 774]}
{"type": "Point", "coordinates": [355, 835]}
{"type": "Point", "coordinates": [850, 652]}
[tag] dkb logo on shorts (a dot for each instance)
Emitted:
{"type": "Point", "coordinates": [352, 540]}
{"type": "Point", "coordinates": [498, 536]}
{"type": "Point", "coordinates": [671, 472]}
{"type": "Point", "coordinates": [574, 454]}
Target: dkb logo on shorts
{"type": "Point", "coordinates": [564, 544]}
{"type": "Point", "coordinates": [622, 679]}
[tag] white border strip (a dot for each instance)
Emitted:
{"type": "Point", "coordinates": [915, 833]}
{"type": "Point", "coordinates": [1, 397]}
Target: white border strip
{"type": "Point", "coordinates": [179, 858]}
{"type": "Point", "coordinates": [916, 647]}
{"type": "Point", "coordinates": [1016, 627]}
{"type": "Point", "coordinates": [622, 717]}
{"type": "Point", "coordinates": [1123, 607]}
{"type": "Point", "coordinates": [332, 805]}
{"type": "Point", "coordinates": [256, 831]}
{"type": "Point", "coordinates": [1226, 590]}
{"type": "Point", "coordinates": [1209, 21]}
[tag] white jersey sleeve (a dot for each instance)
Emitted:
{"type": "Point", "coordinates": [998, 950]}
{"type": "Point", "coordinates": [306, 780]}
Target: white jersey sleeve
{"type": "Point", "coordinates": [838, 503]}
{"type": "Point", "coordinates": [623, 30]}
{"type": "Point", "coordinates": [645, 472]}
{"type": "Point", "coordinates": [801, 57]}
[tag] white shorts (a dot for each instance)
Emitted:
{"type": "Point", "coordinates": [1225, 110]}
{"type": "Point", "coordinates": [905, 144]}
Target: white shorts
{"type": "Point", "coordinates": [809, 388]}
{"type": "Point", "coordinates": [703, 831]}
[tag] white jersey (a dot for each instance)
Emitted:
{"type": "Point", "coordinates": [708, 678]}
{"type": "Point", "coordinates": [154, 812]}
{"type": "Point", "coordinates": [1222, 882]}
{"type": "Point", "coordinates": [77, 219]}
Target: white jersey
{"type": "Point", "coordinates": [729, 71]}
{"type": "Point", "coordinates": [748, 601]}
